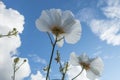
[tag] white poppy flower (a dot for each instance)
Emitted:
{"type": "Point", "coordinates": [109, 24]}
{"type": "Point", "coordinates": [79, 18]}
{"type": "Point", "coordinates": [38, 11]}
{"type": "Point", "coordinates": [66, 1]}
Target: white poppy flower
{"type": "Point", "coordinates": [93, 67]}
{"type": "Point", "coordinates": [60, 24]}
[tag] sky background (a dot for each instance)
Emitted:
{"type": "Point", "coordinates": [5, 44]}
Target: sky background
{"type": "Point", "coordinates": [100, 21]}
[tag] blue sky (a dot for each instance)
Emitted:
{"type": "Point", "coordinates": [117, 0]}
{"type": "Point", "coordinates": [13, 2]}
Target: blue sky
{"type": "Point", "coordinates": [96, 17]}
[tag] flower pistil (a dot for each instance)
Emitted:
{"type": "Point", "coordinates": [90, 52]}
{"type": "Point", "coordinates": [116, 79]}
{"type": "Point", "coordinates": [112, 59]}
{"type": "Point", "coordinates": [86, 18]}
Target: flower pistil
{"type": "Point", "coordinates": [57, 30]}
{"type": "Point", "coordinates": [85, 65]}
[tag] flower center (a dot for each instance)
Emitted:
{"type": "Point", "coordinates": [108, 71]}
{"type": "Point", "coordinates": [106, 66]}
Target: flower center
{"type": "Point", "coordinates": [57, 30]}
{"type": "Point", "coordinates": [85, 66]}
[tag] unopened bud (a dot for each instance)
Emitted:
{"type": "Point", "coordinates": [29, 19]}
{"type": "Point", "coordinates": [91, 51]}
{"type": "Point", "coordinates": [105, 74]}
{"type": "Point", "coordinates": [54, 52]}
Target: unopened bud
{"type": "Point", "coordinates": [14, 29]}
{"type": "Point", "coordinates": [45, 68]}
{"type": "Point", "coordinates": [57, 57]}
{"type": "Point", "coordinates": [16, 60]}
{"type": "Point", "coordinates": [25, 60]}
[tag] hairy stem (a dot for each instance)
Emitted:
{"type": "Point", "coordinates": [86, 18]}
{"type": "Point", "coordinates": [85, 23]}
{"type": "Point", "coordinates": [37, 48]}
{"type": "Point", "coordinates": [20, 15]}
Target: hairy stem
{"type": "Point", "coordinates": [50, 38]}
{"type": "Point", "coordinates": [14, 71]}
{"type": "Point", "coordinates": [49, 66]}
{"type": "Point", "coordinates": [66, 67]}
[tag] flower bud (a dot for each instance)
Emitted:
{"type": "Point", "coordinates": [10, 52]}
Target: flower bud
{"type": "Point", "coordinates": [25, 60]}
{"type": "Point", "coordinates": [16, 60]}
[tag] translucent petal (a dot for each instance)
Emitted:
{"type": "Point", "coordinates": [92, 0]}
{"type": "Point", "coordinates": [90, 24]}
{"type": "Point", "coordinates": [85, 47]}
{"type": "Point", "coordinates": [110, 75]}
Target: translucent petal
{"type": "Point", "coordinates": [67, 21]}
{"type": "Point", "coordinates": [74, 59]}
{"type": "Point", "coordinates": [46, 16]}
{"type": "Point", "coordinates": [75, 34]}
{"type": "Point", "coordinates": [42, 25]}
{"type": "Point", "coordinates": [56, 16]}
{"type": "Point", "coordinates": [44, 22]}
{"type": "Point", "coordinates": [84, 58]}
{"type": "Point", "coordinates": [75, 70]}
{"type": "Point", "coordinates": [48, 19]}
{"type": "Point", "coordinates": [96, 66]}
{"type": "Point", "coordinates": [52, 16]}
{"type": "Point", "coordinates": [91, 75]}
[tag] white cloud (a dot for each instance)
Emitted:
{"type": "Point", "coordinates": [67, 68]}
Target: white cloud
{"type": "Point", "coordinates": [107, 28]}
{"type": "Point", "coordinates": [112, 10]}
{"type": "Point", "coordinates": [37, 59]}
{"type": "Point", "coordinates": [83, 14]}
{"type": "Point", "coordinates": [97, 53]}
{"type": "Point", "coordinates": [108, 57]}
{"type": "Point", "coordinates": [9, 19]}
{"type": "Point", "coordinates": [37, 76]}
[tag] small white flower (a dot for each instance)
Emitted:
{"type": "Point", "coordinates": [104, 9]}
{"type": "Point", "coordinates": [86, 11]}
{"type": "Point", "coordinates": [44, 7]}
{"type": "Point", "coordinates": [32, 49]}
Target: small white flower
{"type": "Point", "coordinates": [93, 67]}
{"type": "Point", "coordinates": [60, 24]}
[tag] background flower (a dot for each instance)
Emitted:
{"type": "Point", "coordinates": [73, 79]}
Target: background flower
{"type": "Point", "coordinates": [93, 67]}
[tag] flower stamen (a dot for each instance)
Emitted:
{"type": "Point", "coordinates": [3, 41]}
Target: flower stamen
{"type": "Point", "coordinates": [57, 30]}
{"type": "Point", "coordinates": [85, 65]}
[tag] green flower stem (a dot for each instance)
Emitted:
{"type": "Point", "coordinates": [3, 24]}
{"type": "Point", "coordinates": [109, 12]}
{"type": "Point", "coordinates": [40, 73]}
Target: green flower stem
{"type": "Point", "coordinates": [78, 74]}
{"type": "Point", "coordinates": [19, 67]}
{"type": "Point", "coordinates": [66, 67]}
{"type": "Point", "coordinates": [50, 38]}
{"type": "Point", "coordinates": [10, 33]}
{"type": "Point", "coordinates": [1, 36]}
{"type": "Point", "coordinates": [14, 67]}
{"type": "Point", "coordinates": [53, 48]}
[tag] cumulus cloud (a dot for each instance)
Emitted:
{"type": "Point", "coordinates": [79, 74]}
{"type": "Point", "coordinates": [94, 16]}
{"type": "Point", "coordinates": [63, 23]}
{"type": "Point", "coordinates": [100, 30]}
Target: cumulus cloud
{"type": "Point", "coordinates": [106, 28]}
{"type": "Point", "coordinates": [108, 57]}
{"type": "Point", "coordinates": [9, 19]}
{"type": "Point", "coordinates": [37, 59]}
{"type": "Point", "coordinates": [83, 14]}
{"type": "Point", "coordinates": [37, 76]}
{"type": "Point", "coordinates": [111, 9]}
{"type": "Point", "coordinates": [97, 53]}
